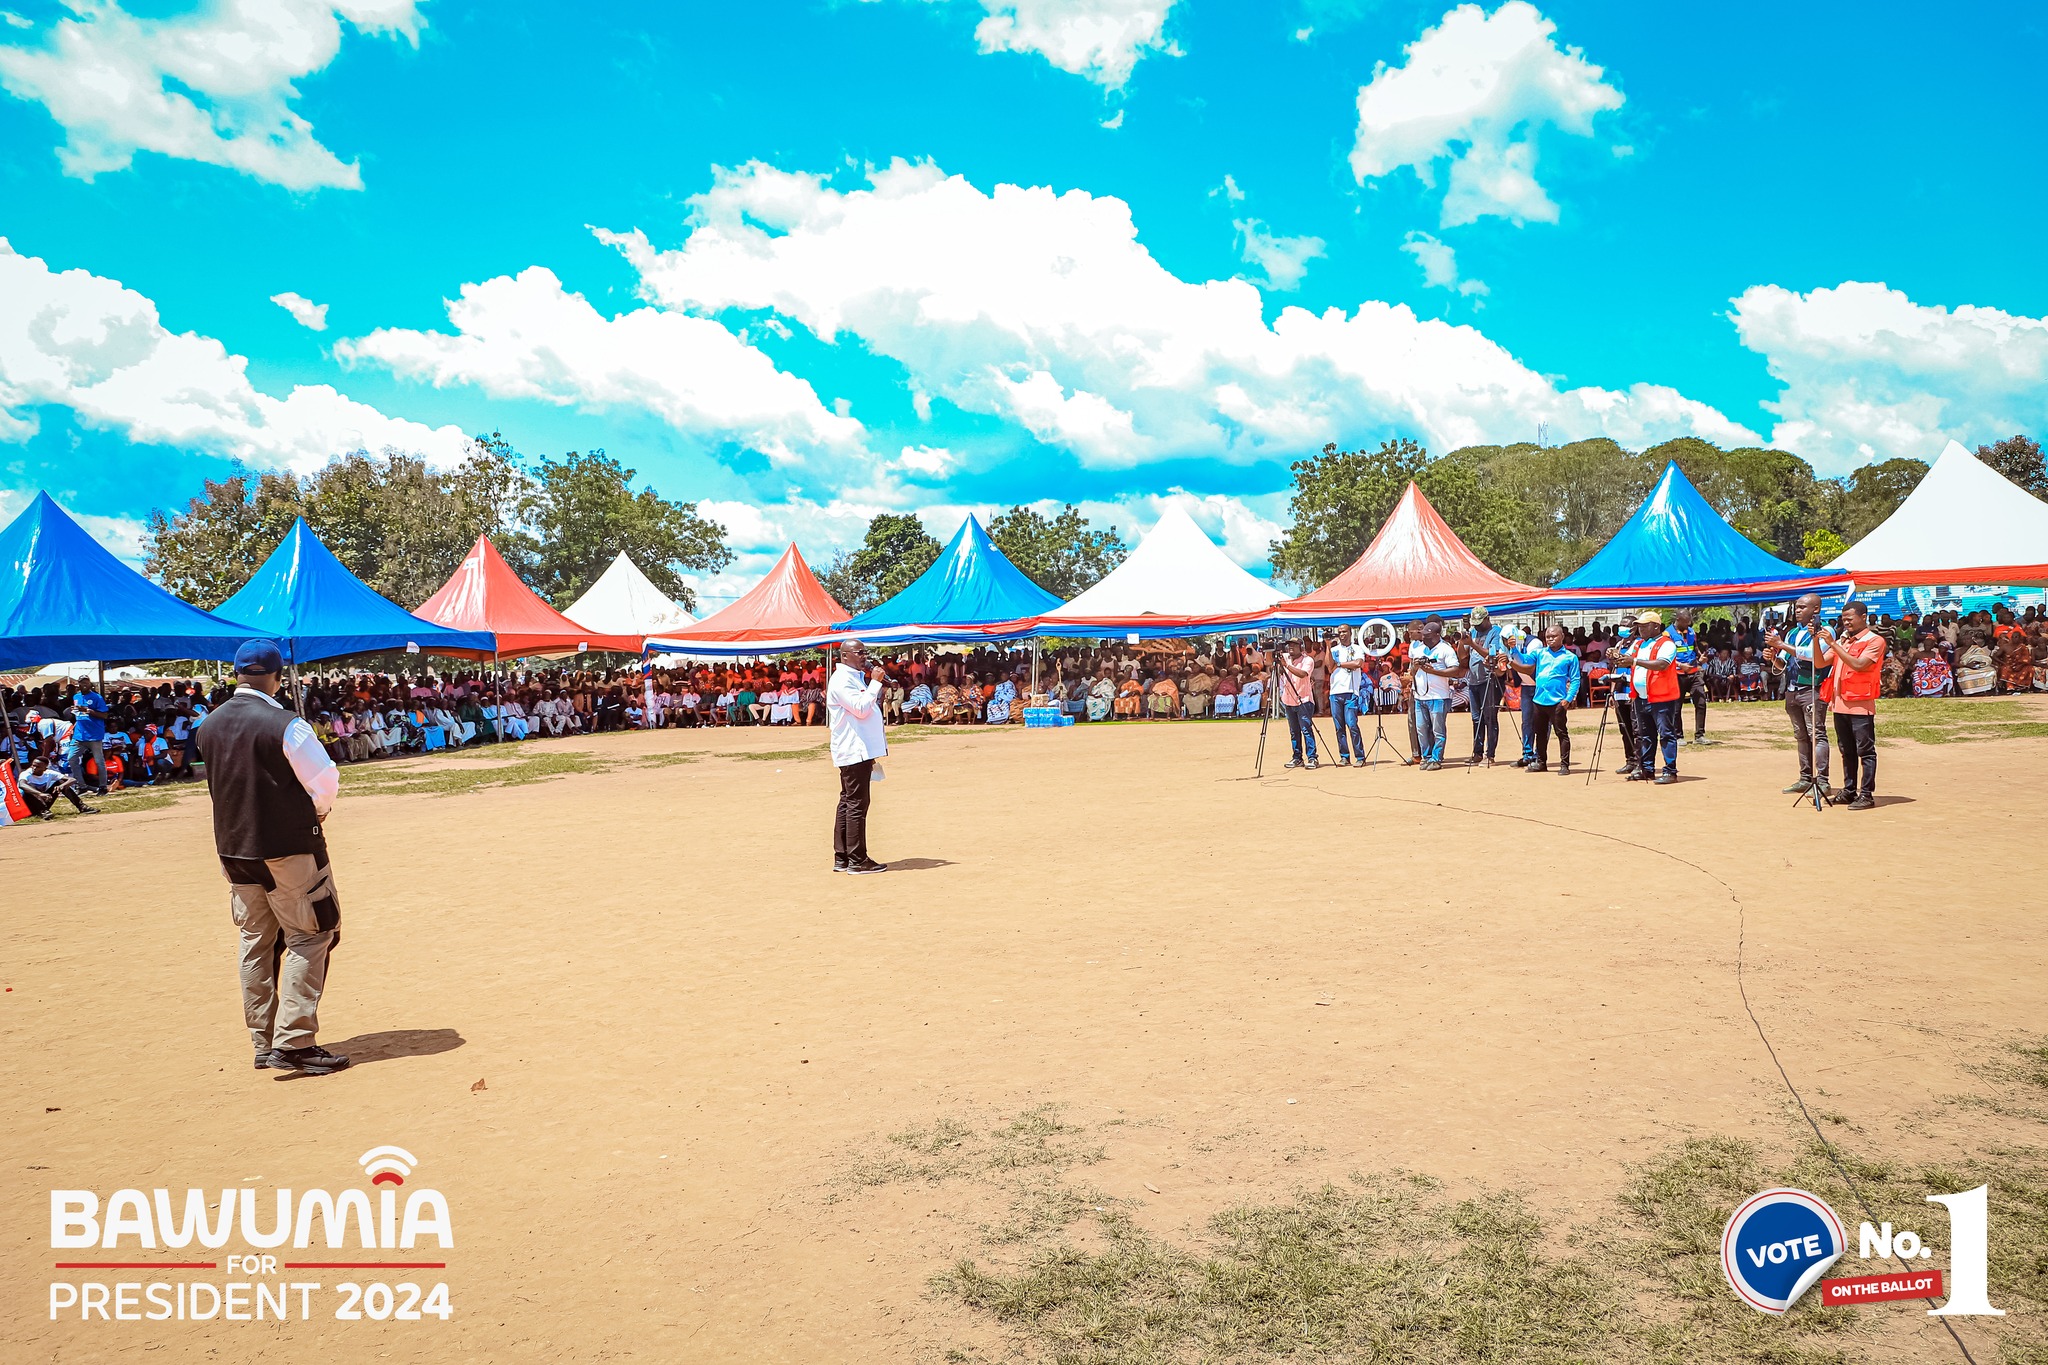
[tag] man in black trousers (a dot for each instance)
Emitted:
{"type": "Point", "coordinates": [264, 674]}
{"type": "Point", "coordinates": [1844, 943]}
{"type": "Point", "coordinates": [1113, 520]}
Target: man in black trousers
{"type": "Point", "coordinates": [853, 707]}
{"type": "Point", "coordinates": [272, 784]}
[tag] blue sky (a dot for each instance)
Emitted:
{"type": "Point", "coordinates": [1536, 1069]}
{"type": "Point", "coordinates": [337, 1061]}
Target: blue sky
{"type": "Point", "coordinates": [949, 254]}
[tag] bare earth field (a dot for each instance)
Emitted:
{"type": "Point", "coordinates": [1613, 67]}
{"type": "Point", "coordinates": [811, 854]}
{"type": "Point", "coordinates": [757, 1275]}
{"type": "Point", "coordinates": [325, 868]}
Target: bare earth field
{"type": "Point", "coordinates": [692, 1097]}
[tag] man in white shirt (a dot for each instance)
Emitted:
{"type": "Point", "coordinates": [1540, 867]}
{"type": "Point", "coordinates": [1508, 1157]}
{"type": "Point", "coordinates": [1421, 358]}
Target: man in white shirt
{"type": "Point", "coordinates": [1347, 665]}
{"type": "Point", "coordinates": [853, 708]}
{"type": "Point", "coordinates": [1434, 663]}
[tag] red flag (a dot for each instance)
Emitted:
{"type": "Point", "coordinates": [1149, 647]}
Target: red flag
{"type": "Point", "coordinates": [12, 806]}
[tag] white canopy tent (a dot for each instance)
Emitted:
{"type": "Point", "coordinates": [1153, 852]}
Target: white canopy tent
{"type": "Point", "coordinates": [623, 602]}
{"type": "Point", "coordinates": [1965, 523]}
{"type": "Point", "coordinates": [1176, 571]}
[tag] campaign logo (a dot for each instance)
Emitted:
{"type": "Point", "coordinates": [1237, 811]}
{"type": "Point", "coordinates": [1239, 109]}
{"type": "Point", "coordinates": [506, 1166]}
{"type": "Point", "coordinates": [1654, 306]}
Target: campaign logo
{"type": "Point", "coordinates": [1777, 1245]}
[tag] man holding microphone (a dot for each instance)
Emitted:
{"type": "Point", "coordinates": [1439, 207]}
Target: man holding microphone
{"type": "Point", "coordinates": [853, 707]}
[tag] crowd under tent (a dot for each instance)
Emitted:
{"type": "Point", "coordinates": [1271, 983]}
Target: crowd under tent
{"type": "Point", "coordinates": [1416, 566]}
{"type": "Point", "coordinates": [971, 592]}
{"type": "Point", "coordinates": [1175, 582]}
{"type": "Point", "coordinates": [314, 608]}
{"type": "Point", "coordinates": [65, 596]}
{"type": "Point", "coordinates": [484, 594]}
{"type": "Point", "coordinates": [1677, 551]}
{"type": "Point", "coordinates": [623, 601]}
{"type": "Point", "coordinates": [787, 610]}
{"type": "Point", "coordinates": [1964, 523]}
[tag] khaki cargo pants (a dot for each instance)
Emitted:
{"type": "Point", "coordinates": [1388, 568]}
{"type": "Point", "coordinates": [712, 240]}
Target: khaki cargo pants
{"type": "Point", "coordinates": [290, 920]}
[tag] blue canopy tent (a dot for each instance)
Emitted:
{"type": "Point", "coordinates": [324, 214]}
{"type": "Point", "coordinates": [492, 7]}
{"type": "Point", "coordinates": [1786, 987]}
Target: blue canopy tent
{"type": "Point", "coordinates": [65, 596]}
{"type": "Point", "coordinates": [307, 600]}
{"type": "Point", "coordinates": [970, 587]}
{"type": "Point", "coordinates": [1677, 551]}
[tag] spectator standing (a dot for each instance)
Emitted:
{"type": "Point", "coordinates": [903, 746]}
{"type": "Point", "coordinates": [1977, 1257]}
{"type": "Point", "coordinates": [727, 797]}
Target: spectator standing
{"type": "Point", "coordinates": [1484, 683]}
{"type": "Point", "coordinates": [1347, 669]}
{"type": "Point", "coordinates": [1434, 664]}
{"type": "Point", "coordinates": [88, 735]}
{"type": "Point", "coordinates": [1858, 675]}
{"type": "Point", "coordinates": [1552, 678]}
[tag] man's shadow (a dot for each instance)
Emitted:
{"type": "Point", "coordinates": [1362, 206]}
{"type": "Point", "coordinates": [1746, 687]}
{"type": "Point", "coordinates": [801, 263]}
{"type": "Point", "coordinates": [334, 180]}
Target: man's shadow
{"type": "Point", "coordinates": [380, 1047]}
{"type": "Point", "coordinates": [918, 864]}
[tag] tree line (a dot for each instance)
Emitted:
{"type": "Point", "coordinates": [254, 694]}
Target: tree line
{"type": "Point", "coordinates": [1533, 513]}
{"type": "Point", "coordinates": [404, 527]}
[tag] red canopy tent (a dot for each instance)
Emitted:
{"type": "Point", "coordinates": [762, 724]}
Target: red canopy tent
{"type": "Point", "coordinates": [485, 594]}
{"type": "Point", "coordinates": [787, 610]}
{"type": "Point", "coordinates": [1416, 566]}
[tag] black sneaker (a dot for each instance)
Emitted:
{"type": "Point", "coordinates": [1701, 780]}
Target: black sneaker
{"type": "Point", "coordinates": [839, 864]}
{"type": "Point", "coordinates": [263, 1056]}
{"type": "Point", "coordinates": [1624, 770]}
{"type": "Point", "coordinates": [1665, 779]}
{"type": "Point", "coordinates": [1537, 768]}
{"type": "Point", "coordinates": [1564, 769]}
{"type": "Point", "coordinates": [1799, 788]}
{"type": "Point", "coordinates": [84, 809]}
{"type": "Point", "coordinates": [307, 1061]}
{"type": "Point", "coordinates": [1863, 803]}
{"type": "Point", "coordinates": [865, 866]}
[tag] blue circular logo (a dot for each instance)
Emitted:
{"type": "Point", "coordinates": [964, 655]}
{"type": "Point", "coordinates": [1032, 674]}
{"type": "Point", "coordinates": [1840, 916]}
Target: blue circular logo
{"type": "Point", "coordinates": [1777, 1245]}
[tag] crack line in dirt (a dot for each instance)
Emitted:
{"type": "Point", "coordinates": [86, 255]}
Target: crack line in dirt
{"type": "Point", "coordinates": [1741, 943]}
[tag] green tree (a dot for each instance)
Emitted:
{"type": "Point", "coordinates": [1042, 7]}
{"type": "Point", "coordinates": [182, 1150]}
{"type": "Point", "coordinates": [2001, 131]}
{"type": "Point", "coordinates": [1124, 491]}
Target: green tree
{"type": "Point", "coordinates": [896, 550]}
{"type": "Point", "coordinates": [1820, 546]}
{"type": "Point", "coordinates": [581, 510]}
{"type": "Point", "coordinates": [1340, 499]}
{"type": "Point", "coordinates": [1062, 554]}
{"type": "Point", "coordinates": [2020, 460]}
{"type": "Point", "coordinates": [1576, 496]}
{"type": "Point", "coordinates": [207, 552]}
{"type": "Point", "coordinates": [402, 526]}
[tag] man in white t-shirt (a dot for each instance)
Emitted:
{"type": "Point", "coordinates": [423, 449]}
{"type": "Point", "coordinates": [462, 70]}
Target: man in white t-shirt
{"type": "Point", "coordinates": [1434, 663]}
{"type": "Point", "coordinates": [1347, 667]}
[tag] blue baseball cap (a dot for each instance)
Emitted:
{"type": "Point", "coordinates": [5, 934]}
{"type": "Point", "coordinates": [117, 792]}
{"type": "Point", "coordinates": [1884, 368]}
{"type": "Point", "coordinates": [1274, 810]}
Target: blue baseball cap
{"type": "Point", "coordinates": [258, 656]}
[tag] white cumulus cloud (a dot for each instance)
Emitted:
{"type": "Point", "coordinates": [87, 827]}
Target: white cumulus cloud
{"type": "Point", "coordinates": [80, 341]}
{"type": "Point", "coordinates": [1281, 260]}
{"type": "Point", "coordinates": [1439, 264]}
{"type": "Point", "coordinates": [214, 83]}
{"type": "Point", "coordinates": [1044, 309]}
{"type": "Point", "coordinates": [525, 336]}
{"type": "Point", "coordinates": [1099, 39]}
{"type": "Point", "coordinates": [1477, 90]}
{"type": "Point", "coordinates": [1868, 374]}
{"type": "Point", "coordinates": [303, 310]}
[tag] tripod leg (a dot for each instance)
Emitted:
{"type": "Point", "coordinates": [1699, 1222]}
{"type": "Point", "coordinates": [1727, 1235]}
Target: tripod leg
{"type": "Point", "coordinates": [1599, 738]}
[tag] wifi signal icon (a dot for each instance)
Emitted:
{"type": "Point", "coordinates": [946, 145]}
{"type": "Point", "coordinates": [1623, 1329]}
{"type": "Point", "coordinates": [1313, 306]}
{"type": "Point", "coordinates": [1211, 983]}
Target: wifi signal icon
{"type": "Point", "coordinates": [387, 1165]}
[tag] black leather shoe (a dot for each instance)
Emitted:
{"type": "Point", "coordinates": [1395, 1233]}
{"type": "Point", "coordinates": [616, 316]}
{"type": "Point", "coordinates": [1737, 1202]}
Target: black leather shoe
{"type": "Point", "coordinates": [865, 866]}
{"type": "Point", "coordinates": [308, 1061]}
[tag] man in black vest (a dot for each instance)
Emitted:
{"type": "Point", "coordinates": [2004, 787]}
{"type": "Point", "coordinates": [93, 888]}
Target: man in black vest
{"type": "Point", "coordinates": [272, 784]}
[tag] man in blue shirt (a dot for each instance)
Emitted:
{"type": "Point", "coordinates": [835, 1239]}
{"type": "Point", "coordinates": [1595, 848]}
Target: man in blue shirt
{"type": "Point", "coordinates": [88, 734]}
{"type": "Point", "coordinates": [1554, 679]}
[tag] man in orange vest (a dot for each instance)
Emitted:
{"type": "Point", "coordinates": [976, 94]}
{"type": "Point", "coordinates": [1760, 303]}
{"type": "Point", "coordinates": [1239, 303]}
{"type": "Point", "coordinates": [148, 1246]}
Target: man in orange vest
{"type": "Point", "coordinates": [1654, 680]}
{"type": "Point", "coordinates": [1858, 678]}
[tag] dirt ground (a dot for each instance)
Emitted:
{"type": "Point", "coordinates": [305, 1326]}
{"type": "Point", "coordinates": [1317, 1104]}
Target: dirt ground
{"type": "Point", "coordinates": [636, 1030]}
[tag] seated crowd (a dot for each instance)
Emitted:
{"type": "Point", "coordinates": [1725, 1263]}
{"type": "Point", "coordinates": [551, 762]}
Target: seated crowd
{"type": "Point", "coordinates": [147, 729]}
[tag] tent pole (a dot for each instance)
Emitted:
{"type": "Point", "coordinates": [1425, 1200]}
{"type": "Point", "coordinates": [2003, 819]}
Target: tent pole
{"type": "Point", "coordinates": [1034, 664]}
{"type": "Point", "coordinates": [498, 690]}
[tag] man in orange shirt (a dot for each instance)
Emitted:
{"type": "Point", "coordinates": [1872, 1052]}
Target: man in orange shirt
{"type": "Point", "coordinates": [1858, 678]}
